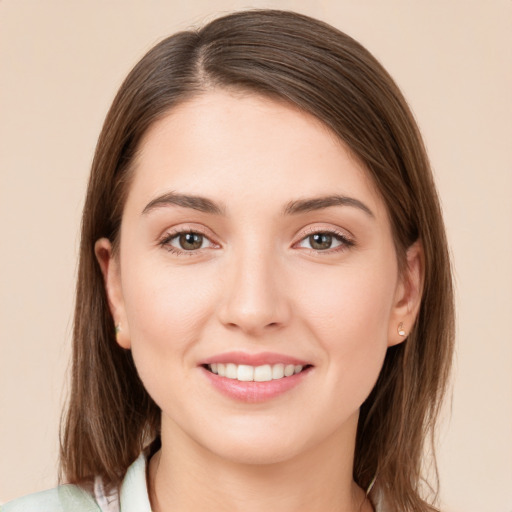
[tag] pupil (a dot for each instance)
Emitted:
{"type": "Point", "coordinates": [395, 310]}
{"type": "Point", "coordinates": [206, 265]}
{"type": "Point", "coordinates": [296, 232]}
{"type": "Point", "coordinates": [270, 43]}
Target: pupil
{"type": "Point", "coordinates": [190, 241]}
{"type": "Point", "coordinates": [321, 241]}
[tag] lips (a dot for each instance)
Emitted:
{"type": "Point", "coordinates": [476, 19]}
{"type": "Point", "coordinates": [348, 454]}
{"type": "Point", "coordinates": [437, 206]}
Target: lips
{"type": "Point", "coordinates": [254, 377]}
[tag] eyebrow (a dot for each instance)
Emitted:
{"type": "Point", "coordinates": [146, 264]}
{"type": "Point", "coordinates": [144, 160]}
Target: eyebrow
{"type": "Point", "coordinates": [319, 203]}
{"type": "Point", "coordinates": [202, 204]}
{"type": "Point", "coordinates": [298, 206]}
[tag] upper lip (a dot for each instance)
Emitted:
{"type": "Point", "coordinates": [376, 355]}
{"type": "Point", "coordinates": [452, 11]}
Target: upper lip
{"type": "Point", "coordinates": [254, 359]}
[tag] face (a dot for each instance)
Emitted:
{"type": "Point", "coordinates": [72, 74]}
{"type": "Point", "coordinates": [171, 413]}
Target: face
{"type": "Point", "coordinates": [256, 281]}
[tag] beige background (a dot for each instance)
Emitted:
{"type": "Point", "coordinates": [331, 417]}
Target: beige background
{"type": "Point", "coordinates": [60, 65]}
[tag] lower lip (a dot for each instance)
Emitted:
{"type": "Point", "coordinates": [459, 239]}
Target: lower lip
{"type": "Point", "coordinates": [253, 392]}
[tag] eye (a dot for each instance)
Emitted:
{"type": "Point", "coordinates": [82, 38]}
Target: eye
{"type": "Point", "coordinates": [182, 242]}
{"type": "Point", "coordinates": [325, 241]}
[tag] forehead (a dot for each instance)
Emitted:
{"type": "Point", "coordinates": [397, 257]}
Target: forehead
{"type": "Point", "coordinates": [230, 142]}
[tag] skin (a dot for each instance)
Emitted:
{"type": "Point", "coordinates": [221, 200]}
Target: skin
{"type": "Point", "coordinates": [258, 283]}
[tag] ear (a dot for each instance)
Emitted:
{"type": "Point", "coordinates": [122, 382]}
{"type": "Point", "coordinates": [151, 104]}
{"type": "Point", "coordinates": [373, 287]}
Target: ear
{"type": "Point", "coordinates": [110, 269]}
{"type": "Point", "coordinates": [408, 296]}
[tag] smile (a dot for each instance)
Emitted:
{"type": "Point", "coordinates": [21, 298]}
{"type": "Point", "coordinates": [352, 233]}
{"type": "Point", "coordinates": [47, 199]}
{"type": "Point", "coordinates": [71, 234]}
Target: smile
{"type": "Point", "coordinates": [253, 378]}
{"type": "Point", "coordinates": [248, 373]}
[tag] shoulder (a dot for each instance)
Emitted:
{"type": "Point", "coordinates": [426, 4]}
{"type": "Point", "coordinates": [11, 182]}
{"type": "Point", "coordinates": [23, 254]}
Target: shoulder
{"type": "Point", "coordinates": [133, 496]}
{"type": "Point", "coordinates": [65, 498]}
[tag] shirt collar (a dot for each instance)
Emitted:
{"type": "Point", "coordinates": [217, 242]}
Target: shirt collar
{"type": "Point", "coordinates": [134, 489]}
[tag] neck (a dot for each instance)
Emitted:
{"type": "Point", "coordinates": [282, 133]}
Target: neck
{"type": "Point", "coordinates": [185, 477]}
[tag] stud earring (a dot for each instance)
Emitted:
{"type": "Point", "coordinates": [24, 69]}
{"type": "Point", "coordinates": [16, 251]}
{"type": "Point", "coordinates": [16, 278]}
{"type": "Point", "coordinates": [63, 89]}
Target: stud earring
{"type": "Point", "coordinates": [118, 330]}
{"type": "Point", "coordinates": [400, 329]}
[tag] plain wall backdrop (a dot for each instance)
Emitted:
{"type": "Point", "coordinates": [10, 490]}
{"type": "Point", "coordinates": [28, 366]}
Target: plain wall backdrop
{"type": "Point", "coordinates": [61, 63]}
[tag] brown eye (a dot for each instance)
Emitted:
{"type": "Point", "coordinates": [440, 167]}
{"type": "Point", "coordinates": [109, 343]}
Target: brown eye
{"type": "Point", "coordinates": [186, 242]}
{"type": "Point", "coordinates": [326, 241]}
{"type": "Point", "coordinates": [320, 241]}
{"type": "Point", "coordinates": [190, 241]}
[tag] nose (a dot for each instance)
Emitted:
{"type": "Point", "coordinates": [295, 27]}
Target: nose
{"type": "Point", "coordinates": [254, 295]}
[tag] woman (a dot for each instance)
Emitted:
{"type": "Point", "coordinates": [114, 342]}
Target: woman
{"type": "Point", "coordinates": [264, 311]}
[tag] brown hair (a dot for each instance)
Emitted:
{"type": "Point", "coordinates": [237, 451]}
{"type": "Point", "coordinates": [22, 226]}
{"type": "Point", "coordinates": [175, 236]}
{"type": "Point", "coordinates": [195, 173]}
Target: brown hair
{"type": "Point", "coordinates": [110, 417]}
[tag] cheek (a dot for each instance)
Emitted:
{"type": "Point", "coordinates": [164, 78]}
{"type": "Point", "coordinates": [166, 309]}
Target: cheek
{"type": "Point", "coordinates": [348, 313]}
{"type": "Point", "coordinates": [166, 311]}
{"type": "Point", "coordinates": [351, 303]}
{"type": "Point", "coordinates": [163, 302]}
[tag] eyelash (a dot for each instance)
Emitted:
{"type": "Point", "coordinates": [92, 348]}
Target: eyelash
{"type": "Point", "coordinates": [168, 237]}
{"type": "Point", "coordinates": [345, 241]}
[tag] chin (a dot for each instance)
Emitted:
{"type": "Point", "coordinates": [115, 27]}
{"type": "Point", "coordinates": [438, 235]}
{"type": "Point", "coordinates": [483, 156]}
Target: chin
{"type": "Point", "coordinates": [265, 442]}
{"type": "Point", "coordinates": [257, 451]}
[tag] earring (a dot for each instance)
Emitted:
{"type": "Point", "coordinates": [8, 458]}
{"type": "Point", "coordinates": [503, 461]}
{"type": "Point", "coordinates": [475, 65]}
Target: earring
{"type": "Point", "coordinates": [400, 329]}
{"type": "Point", "coordinates": [118, 330]}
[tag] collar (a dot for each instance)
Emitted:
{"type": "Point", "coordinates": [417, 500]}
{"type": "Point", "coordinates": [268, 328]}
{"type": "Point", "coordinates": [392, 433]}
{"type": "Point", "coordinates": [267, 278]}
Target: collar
{"type": "Point", "coordinates": [134, 489]}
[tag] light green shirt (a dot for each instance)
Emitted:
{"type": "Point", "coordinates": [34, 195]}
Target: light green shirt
{"type": "Point", "coordinates": [133, 496]}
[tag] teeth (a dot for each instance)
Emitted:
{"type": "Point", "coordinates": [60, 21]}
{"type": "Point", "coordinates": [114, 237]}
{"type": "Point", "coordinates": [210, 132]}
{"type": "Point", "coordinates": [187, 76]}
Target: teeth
{"type": "Point", "coordinates": [278, 371]}
{"type": "Point", "coordinates": [231, 372]}
{"type": "Point", "coordinates": [263, 373]}
{"type": "Point", "coordinates": [289, 370]}
{"type": "Point", "coordinates": [247, 373]}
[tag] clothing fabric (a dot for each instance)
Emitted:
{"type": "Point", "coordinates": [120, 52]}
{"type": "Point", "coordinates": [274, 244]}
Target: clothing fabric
{"type": "Point", "coordinates": [132, 497]}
